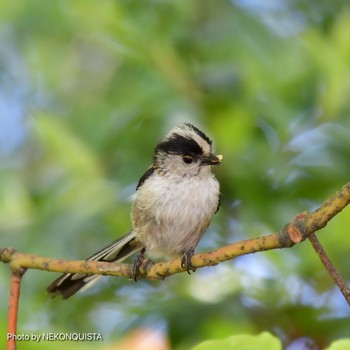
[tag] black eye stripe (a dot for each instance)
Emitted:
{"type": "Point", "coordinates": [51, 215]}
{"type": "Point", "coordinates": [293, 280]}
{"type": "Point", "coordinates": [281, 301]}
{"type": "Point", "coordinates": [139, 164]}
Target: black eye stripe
{"type": "Point", "coordinates": [180, 145]}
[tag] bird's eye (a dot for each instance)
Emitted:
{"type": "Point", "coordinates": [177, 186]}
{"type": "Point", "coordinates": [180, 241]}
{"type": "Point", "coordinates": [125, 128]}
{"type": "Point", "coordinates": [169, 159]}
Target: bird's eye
{"type": "Point", "coordinates": [187, 159]}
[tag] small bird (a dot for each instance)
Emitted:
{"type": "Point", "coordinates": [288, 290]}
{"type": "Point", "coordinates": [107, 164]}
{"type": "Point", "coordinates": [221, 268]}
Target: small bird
{"type": "Point", "coordinates": [172, 207]}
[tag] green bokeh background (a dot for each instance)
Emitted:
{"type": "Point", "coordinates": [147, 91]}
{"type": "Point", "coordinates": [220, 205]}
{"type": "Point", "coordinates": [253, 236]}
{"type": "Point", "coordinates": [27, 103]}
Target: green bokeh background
{"type": "Point", "coordinates": [87, 88]}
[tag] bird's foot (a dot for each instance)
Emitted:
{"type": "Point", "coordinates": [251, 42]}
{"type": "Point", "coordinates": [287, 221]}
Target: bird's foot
{"type": "Point", "coordinates": [137, 264]}
{"type": "Point", "coordinates": [186, 261]}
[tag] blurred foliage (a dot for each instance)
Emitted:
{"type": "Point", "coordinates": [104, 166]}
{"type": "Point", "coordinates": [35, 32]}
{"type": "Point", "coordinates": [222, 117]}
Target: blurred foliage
{"type": "Point", "coordinates": [87, 88]}
{"type": "Point", "coordinates": [242, 342]}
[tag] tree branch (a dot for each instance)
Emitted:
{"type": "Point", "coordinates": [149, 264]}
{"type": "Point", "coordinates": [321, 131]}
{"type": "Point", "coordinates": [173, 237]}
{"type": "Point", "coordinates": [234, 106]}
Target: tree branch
{"type": "Point", "coordinates": [15, 286]}
{"type": "Point", "coordinates": [298, 230]}
{"type": "Point", "coordinates": [148, 269]}
{"type": "Point", "coordinates": [345, 290]}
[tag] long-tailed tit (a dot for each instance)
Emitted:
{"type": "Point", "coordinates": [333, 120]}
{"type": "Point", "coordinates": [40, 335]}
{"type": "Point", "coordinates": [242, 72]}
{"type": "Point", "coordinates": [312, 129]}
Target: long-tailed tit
{"type": "Point", "coordinates": [172, 207]}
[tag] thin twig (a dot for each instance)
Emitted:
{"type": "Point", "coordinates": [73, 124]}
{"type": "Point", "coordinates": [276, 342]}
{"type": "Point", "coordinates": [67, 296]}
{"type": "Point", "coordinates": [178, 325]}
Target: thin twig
{"type": "Point", "coordinates": [15, 286]}
{"type": "Point", "coordinates": [345, 290]}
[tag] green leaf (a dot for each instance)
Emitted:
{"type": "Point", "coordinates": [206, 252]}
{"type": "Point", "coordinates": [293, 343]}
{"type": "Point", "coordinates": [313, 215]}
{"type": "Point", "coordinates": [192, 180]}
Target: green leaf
{"type": "Point", "coordinates": [342, 344]}
{"type": "Point", "coordinates": [242, 342]}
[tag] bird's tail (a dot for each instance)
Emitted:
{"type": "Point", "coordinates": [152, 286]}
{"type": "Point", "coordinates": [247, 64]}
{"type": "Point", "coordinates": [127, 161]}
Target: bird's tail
{"type": "Point", "coordinates": [69, 283]}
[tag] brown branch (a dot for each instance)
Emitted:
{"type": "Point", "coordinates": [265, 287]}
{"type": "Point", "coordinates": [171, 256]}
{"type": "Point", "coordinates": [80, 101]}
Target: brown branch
{"type": "Point", "coordinates": [148, 270]}
{"type": "Point", "coordinates": [296, 231]}
{"type": "Point", "coordinates": [345, 290]}
{"type": "Point", "coordinates": [306, 224]}
{"type": "Point", "coordinates": [15, 286]}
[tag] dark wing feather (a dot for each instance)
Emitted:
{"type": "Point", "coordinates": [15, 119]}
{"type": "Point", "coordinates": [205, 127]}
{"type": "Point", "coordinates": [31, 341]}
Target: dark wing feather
{"type": "Point", "coordinates": [145, 176]}
{"type": "Point", "coordinates": [219, 203]}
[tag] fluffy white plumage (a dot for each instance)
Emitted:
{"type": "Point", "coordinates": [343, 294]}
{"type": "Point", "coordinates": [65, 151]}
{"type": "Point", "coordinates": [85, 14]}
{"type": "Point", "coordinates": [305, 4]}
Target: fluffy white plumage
{"type": "Point", "coordinates": [172, 207]}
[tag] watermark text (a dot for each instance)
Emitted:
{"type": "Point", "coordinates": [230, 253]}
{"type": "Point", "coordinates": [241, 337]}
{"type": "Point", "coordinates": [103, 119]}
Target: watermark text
{"type": "Point", "coordinates": [51, 336]}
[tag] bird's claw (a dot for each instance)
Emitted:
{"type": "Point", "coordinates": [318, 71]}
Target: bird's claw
{"type": "Point", "coordinates": [186, 261]}
{"type": "Point", "coordinates": [137, 264]}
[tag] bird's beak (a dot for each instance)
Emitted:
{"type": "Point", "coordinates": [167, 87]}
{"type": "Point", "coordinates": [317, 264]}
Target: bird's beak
{"type": "Point", "coordinates": [211, 159]}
